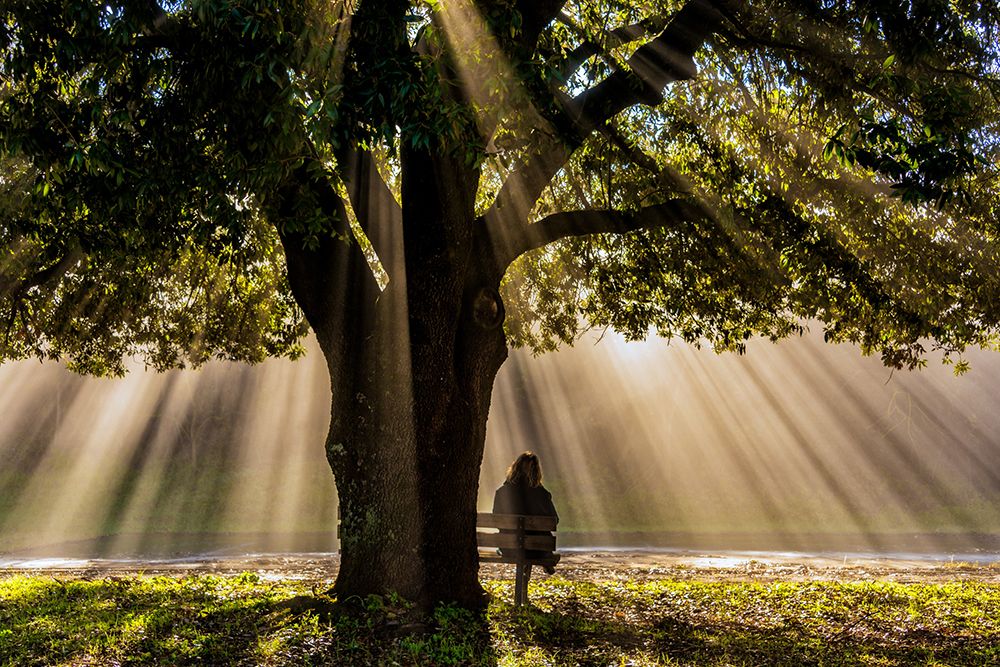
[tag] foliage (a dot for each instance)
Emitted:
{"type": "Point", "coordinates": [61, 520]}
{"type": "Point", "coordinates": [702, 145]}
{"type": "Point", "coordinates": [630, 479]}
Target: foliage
{"type": "Point", "coordinates": [845, 154]}
{"type": "Point", "coordinates": [854, 171]}
{"type": "Point", "coordinates": [239, 620]}
{"type": "Point", "coordinates": [127, 231]}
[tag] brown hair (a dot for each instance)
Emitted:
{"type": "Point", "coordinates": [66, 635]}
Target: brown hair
{"type": "Point", "coordinates": [525, 470]}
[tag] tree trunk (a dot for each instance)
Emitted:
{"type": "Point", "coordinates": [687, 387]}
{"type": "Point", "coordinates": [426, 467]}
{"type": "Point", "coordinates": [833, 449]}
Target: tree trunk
{"type": "Point", "coordinates": [412, 371]}
{"type": "Point", "coordinates": [406, 451]}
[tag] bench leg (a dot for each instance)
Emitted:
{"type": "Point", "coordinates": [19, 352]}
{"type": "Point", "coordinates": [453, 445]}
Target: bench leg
{"type": "Point", "coordinates": [521, 577]}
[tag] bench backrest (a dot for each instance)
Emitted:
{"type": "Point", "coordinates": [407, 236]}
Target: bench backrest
{"type": "Point", "coordinates": [518, 525]}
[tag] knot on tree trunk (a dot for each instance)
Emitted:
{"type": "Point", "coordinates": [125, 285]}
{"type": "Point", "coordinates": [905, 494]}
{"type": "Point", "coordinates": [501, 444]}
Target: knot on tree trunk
{"type": "Point", "coordinates": [487, 308]}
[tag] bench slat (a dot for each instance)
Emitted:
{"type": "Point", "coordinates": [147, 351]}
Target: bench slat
{"type": "Point", "coordinates": [509, 541]}
{"type": "Point", "coordinates": [510, 521]}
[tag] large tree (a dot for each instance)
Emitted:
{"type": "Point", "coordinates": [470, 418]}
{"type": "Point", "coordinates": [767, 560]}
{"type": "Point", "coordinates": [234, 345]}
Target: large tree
{"type": "Point", "coordinates": [429, 182]}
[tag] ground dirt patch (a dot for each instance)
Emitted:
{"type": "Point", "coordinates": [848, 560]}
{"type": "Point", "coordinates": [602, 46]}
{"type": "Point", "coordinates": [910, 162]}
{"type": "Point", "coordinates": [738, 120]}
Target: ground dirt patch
{"type": "Point", "coordinates": [635, 565]}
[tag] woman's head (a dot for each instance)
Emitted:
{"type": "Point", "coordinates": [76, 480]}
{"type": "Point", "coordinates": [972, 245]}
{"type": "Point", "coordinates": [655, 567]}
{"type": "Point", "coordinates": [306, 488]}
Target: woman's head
{"type": "Point", "coordinates": [525, 470]}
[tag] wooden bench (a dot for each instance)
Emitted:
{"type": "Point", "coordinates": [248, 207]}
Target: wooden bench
{"type": "Point", "coordinates": [515, 543]}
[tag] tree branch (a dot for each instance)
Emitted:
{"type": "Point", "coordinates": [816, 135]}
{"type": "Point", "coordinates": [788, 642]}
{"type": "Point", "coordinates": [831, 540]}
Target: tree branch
{"type": "Point", "coordinates": [598, 221]}
{"type": "Point", "coordinates": [535, 16]}
{"type": "Point", "coordinates": [667, 58]}
{"type": "Point", "coordinates": [158, 28]}
{"type": "Point", "coordinates": [613, 39]}
{"type": "Point", "coordinates": [328, 273]}
{"type": "Point", "coordinates": [150, 14]}
{"type": "Point", "coordinates": [12, 287]}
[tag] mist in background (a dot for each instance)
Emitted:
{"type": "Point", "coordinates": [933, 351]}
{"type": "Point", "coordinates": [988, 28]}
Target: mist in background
{"type": "Point", "coordinates": [641, 443]}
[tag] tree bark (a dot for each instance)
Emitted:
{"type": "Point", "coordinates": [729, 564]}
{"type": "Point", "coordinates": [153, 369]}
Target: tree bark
{"type": "Point", "coordinates": [406, 457]}
{"type": "Point", "coordinates": [406, 449]}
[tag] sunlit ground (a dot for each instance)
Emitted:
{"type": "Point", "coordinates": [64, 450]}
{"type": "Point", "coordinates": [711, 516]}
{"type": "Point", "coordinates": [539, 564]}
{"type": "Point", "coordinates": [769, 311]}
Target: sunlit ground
{"type": "Point", "coordinates": [796, 445]}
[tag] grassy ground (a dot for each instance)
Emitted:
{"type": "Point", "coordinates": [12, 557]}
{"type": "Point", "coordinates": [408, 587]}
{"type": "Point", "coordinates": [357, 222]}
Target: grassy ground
{"type": "Point", "coordinates": [239, 620]}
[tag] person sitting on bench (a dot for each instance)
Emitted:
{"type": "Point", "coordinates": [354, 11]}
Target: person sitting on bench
{"type": "Point", "coordinates": [523, 493]}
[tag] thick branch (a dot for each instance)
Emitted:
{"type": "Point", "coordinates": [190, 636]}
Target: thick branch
{"type": "Point", "coordinates": [159, 29]}
{"type": "Point", "coordinates": [668, 57]}
{"type": "Point", "coordinates": [150, 15]}
{"type": "Point", "coordinates": [535, 16]}
{"type": "Point", "coordinates": [328, 273]}
{"type": "Point", "coordinates": [582, 223]}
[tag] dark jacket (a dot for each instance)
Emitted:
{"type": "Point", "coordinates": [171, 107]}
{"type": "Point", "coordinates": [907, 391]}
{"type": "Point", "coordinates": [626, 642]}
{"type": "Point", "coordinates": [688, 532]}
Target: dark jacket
{"type": "Point", "coordinates": [522, 499]}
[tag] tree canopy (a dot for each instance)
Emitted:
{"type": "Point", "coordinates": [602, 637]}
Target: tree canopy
{"type": "Point", "coordinates": [830, 161]}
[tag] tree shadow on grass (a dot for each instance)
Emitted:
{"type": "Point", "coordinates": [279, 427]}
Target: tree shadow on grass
{"type": "Point", "coordinates": [792, 644]}
{"type": "Point", "coordinates": [388, 631]}
{"type": "Point", "coordinates": [569, 636]}
{"type": "Point", "coordinates": [245, 621]}
{"type": "Point", "coordinates": [219, 621]}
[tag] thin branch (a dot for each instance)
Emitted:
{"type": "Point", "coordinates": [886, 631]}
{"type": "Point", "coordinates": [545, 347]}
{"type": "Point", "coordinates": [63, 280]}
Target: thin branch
{"type": "Point", "coordinates": [12, 287]}
{"type": "Point", "coordinates": [665, 177]}
{"type": "Point", "coordinates": [612, 39]}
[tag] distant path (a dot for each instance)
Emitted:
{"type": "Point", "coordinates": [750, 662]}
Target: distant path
{"type": "Point", "coordinates": [576, 565]}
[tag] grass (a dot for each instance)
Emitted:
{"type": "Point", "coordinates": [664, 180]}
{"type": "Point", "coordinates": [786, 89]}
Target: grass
{"type": "Point", "coordinates": [211, 620]}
